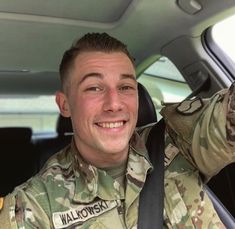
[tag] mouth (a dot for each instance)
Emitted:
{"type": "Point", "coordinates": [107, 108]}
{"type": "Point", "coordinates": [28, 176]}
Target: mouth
{"type": "Point", "coordinates": [111, 125]}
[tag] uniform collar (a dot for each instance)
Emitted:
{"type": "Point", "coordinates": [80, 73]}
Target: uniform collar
{"type": "Point", "coordinates": [92, 182]}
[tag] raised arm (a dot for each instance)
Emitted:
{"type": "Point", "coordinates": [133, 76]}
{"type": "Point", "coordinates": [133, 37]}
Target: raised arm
{"type": "Point", "coordinates": [204, 130]}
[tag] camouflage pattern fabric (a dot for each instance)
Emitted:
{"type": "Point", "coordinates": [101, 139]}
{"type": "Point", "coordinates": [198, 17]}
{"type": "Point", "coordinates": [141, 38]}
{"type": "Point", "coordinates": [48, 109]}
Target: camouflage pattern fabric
{"type": "Point", "coordinates": [69, 193]}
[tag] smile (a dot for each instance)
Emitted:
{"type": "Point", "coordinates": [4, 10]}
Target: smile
{"type": "Point", "coordinates": [110, 124]}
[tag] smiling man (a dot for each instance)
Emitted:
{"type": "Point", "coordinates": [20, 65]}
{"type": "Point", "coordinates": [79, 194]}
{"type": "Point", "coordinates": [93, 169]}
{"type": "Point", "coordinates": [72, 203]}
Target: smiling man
{"type": "Point", "coordinates": [95, 181]}
{"type": "Point", "coordinates": [100, 96]}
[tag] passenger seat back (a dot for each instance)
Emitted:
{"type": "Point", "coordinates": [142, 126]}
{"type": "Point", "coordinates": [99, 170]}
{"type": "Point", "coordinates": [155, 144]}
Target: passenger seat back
{"type": "Point", "coordinates": [18, 159]}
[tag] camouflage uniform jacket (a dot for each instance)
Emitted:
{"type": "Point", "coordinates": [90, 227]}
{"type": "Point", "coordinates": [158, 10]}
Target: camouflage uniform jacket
{"type": "Point", "coordinates": [69, 193]}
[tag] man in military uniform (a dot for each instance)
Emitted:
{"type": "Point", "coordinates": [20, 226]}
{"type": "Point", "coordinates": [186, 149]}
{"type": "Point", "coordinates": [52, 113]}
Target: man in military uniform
{"type": "Point", "coordinates": [95, 182]}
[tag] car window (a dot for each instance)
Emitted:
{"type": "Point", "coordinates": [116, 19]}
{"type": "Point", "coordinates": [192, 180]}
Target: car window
{"type": "Point", "coordinates": [224, 36]}
{"type": "Point", "coordinates": [38, 112]}
{"type": "Point", "coordinates": [164, 83]}
{"type": "Point", "coordinates": [220, 42]}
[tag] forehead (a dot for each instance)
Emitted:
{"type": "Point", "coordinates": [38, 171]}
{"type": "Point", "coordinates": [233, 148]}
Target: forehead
{"type": "Point", "coordinates": [104, 65]}
{"type": "Point", "coordinates": [88, 60]}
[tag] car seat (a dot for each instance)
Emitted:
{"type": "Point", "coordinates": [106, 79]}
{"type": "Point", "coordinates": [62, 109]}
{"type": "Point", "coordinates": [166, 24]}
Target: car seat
{"type": "Point", "coordinates": [18, 158]}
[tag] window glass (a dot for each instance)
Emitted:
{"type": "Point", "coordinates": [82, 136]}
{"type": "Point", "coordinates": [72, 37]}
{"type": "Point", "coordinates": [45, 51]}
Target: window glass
{"type": "Point", "coordinates": [38, 112]}
{"type": "Point", "coordinates": [166, 69]}
{"type": "Point", "coordinates": [224, 36]}
{"type": "Point", "coordinates": [164, 83]}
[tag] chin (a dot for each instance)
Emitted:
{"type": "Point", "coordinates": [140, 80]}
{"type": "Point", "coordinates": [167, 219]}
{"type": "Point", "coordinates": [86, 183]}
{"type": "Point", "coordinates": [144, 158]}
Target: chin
{"type": "Point", "coordinates": [115, 149]}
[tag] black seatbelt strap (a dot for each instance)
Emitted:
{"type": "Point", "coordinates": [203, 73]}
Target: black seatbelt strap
{"type": "Point", "coordinates": [151, 201]}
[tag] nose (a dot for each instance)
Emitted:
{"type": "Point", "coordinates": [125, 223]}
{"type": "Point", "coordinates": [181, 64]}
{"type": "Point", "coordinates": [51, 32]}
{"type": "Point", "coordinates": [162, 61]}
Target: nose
{"type": "Point", "coordinates": [113, 101]}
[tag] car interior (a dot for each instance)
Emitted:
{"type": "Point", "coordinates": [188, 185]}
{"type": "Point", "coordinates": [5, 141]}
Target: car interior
{"type": "Point", "coordinates": [176, 57]}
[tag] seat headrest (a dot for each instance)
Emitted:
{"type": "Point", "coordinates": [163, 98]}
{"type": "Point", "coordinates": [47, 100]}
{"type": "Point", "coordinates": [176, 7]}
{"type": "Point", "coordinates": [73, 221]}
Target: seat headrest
{"type": "Point", "coordinates": [16, 134]}
{"type": "Point", "coordinates": [64, 126]}
{"type": "Point", "coordinates": [146, 113]}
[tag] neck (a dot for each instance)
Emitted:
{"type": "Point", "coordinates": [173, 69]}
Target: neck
{"type": "Point", "coordinates": [101, 159]}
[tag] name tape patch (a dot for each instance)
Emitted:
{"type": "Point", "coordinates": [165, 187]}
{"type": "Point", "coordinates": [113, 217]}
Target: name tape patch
{"type": "Point", "coordinates": [81, 214]}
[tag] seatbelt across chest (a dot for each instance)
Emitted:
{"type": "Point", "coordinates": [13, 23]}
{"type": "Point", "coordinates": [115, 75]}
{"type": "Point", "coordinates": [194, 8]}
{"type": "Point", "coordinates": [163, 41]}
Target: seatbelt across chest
{"type": "Point", "coordinates": [151, 202]}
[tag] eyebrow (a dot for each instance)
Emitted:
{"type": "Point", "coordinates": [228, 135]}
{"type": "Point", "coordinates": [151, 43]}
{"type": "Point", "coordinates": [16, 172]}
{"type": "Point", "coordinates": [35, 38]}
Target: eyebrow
{"type": "Point", "coordinates": [100, 76]}
{"type": "Point", "coordinates": [92, 74]}
{"type": "Point", "coordinates": [128, 76]}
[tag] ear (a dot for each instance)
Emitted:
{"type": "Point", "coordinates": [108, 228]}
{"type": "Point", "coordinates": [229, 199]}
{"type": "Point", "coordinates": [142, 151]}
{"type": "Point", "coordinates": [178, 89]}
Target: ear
{"type": "Point", "coordinates": [62, 103]}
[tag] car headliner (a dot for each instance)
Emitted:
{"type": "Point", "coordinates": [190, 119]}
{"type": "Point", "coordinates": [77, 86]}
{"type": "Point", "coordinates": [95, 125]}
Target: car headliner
{"type": "Point", "coordinates": [34, 34]}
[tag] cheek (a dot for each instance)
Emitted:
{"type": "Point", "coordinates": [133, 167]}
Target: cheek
{"type": "Point", "coordinates": [83, 108]}
{"type": "Point", "coordinates": [133, 105]}
{"type": "Point", "coordinates": [81, 114]}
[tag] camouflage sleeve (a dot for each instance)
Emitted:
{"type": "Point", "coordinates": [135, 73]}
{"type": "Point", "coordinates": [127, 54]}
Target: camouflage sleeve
{"type": "Point", "coordinates": [213, 144]}
{"type": "Point", "coordinates": [205, 131]}
{"type": "Point", "coordinates": [22, 211]}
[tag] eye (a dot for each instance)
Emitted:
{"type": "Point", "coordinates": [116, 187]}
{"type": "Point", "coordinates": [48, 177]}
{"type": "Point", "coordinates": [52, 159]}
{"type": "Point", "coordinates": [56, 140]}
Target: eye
{"type": "Point", "coordinates": [127, 88]}
{"type": "Point", "coordinates": [94, 89]}
{"type": "Point", "coordinates": [124, 88]}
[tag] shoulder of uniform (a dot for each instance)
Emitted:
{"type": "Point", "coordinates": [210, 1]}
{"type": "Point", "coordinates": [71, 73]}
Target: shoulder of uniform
{"type": "Point", "coordinates": [57, 160]}
{"type": "Point", "coordinates": [7, 209]}
{"type": "Point", "coordinates": [170, 150]}
{"type": "Point", "coordinates": [181, 117]}
{"type": "Point", "coordinates": [143, 131]}
{"type": "Point", "coordinates": [188, 106]}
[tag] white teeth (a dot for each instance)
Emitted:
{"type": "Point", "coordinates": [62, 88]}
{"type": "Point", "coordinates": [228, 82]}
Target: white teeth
{"type": "Point", "coordinates": [110, 124]}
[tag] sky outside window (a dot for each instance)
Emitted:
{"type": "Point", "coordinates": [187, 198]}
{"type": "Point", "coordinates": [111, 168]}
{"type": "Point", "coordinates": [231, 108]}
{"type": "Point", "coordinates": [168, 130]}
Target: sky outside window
{"type": "Point", "coordinates": [224, 35]}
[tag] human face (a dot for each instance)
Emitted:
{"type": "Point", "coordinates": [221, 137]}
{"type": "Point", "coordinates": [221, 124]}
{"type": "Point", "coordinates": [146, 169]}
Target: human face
{"type": "Point", "coordinates": [102, 101]}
